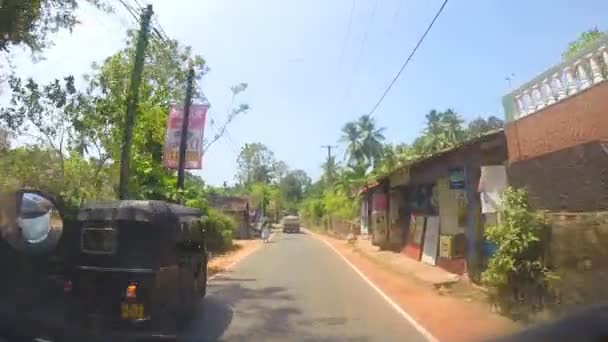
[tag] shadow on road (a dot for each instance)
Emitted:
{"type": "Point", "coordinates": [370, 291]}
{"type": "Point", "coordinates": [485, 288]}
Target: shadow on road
{"type": "Point", "coordinates": [257, 306]}
{"type": "Point", "coordinates": [225, 278]}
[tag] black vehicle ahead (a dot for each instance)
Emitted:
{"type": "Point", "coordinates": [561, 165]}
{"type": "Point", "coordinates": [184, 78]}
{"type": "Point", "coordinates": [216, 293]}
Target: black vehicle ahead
{"type": "Point", "coordinates": [135, 266]}
{"type": "Point", "coordinates": [123, 270]}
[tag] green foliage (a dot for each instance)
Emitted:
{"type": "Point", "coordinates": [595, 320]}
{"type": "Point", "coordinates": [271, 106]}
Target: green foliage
{"type": "Point", "coordinates": [292, 188]}
{"type": "Point", "coordinates": [260, 194]}
{"type": "Point", "coordinates": [29, 22]}
{"type": "Point", "coordinates": [584, 40]}
{"type": "Point", "coordinates": [363, 141]}
{"type": "Point", "coordinates": [518, 260]}
{"type": "Point", "coordinates": [338, 205]}
{"type": "Point", "coordinates": [255, 163]}
{"type": "Point", "coordinates": [218, 231]}
{"type": "Point", "coordinates": [45, 113]}
{"type": "Point", "coordinates": [76, 135]}
{"type": "Point", "coordinates": [368, 158]}
{"type": "Point", "coordinates": [74, 180]}
{"type": "Point", "coordinates": [480, 126]}
{"type": "Point", "coordinates": [312, 211]}
{"type": "Point", "coordinates": [443, 131]}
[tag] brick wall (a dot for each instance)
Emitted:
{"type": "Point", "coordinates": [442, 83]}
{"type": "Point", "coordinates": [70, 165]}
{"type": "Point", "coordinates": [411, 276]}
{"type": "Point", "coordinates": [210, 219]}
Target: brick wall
{"type": "Point", "coordinates": [573, 179]}
{"type": "Point", "coordinates": [577, 120]}
{"type": "Point", "coordinates": [578, 253]}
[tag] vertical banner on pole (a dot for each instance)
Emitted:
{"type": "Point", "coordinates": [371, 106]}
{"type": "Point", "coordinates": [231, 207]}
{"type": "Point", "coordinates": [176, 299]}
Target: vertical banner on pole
{"type": "Point", "coordinates": [196, 128]}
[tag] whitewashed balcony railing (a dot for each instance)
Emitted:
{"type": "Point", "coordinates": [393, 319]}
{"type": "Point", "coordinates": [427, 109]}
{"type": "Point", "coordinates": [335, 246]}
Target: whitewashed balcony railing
{"type": "Point", "coordinates": [586, 69]}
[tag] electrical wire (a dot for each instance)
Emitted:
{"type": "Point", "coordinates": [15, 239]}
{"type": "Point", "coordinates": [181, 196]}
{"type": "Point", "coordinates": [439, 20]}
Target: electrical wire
{"type": "Point", "coordinates": [409, 58]}
{"type": "Point", "coordinates": [365, 35]}
{"type": "Point", "coordinates": [156, 30]}
{"type": "Point", "coordinates": [347, 36]}
{"type": "Point", "coordinates": [131, 10]}
{"type": "Point", "coordinates": [361, 49]}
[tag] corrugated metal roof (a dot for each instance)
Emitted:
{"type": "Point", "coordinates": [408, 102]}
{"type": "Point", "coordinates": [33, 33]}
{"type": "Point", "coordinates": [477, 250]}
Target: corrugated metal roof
{"type": "Point", "coordinates": [443, 152]}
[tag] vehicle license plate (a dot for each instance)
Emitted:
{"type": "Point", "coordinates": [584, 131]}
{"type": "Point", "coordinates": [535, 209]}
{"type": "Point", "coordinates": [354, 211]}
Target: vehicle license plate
{"type": "Point", "coordinates": [131, 311]}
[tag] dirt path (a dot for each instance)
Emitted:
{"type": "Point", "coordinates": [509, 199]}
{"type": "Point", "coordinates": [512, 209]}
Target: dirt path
{"type": "Point", "coordinates": [240, 249]}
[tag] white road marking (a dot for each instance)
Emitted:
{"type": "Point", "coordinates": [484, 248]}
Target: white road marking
{"type": "Point", "coordinates": [391, 302]}
{"type": "Point", "coordinates": [232, 264]}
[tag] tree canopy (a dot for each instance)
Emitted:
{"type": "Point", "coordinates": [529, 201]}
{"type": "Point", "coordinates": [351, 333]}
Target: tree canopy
{"type": "Point", "coordinates": [584, 39]}
{"type": "Point", "coordinates": [368, 156]}
{"type": "Point", "coordinates": [29, 22]}
{"type": "Point", "coordinates": [255, 163]}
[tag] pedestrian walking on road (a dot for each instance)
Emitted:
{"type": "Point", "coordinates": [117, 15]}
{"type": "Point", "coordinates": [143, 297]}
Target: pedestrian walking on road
{"type": "Point", "coordinates": [265, 232]}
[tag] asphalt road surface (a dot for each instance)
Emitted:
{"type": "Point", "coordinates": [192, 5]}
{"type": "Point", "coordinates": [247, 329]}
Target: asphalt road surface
{"type": "Point", "coordinates": [296, 288]}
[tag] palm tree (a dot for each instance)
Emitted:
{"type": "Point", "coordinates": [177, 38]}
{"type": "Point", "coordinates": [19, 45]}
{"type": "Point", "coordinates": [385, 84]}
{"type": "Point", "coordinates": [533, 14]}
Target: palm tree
{"type": "Point", "coordinates": [364, 141]}
{"type": "Point", "coordinates": [371, 137]}
{"type": "Point", "coordinates": [351, 135]}
{"type": "Point", "coordinates": [351, 178]}
{"type": "Point", "coordinates": [443, 130]}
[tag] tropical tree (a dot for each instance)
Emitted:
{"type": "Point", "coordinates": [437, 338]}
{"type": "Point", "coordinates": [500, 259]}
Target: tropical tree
{"type": "Point", "coordinates": [351, 136]}
{"type": "Point", "coordinates": [363, 141]}
{"type": "Point", "coordinates": [350, 179]}
{"type": "Point", "coordinates": [371, 137]}
{"type": "Point", "coordinates": [443, 130]}
{"type": "Point", "coordinates": [233, 111]}
{"type": "Point", "coordinates": [293, 186]}
{"type": "Point", "coordinates": [260, 194]}
{"type": "Point", "coordinates": [4, 140]}
{"type": "Point", "coordinates": [480, 126]}
{"type": "Point", "coordinates": [584, 39]}
{"type": "Point", "coordinates": [163, 83]}
{"type": "Point", "coordinates": [45, 115]}
{"type": "Point", "coordinates": [280, 170]}
{"type": "Point", "coordinates": [255, 164]}
{"type": "Point", "coordinates": [330, 168]}
{"type": "Point", "coordinates": [29, 22]}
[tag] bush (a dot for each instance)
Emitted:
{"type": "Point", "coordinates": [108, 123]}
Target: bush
{"type": "Point", "coordinates": [517, 273]}
{"type": "Point", "coordinates": [218, 231]}
{"type": "Point", "coordinates": [312, 211]}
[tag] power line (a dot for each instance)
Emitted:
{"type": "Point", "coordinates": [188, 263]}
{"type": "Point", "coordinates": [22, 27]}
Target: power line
{"type": "Point", "coordinates": [361, 48]}
{"type": "Point", "coordinates": [156, 29]}
{"type": "Point", "coordinates": [131, 10]}
{"type": "Point", "coordinates": [408, 59]}
{"type": "Point", "coordinates": [348, 28]}
{"type": "Point", "coordinates": [365, 35]}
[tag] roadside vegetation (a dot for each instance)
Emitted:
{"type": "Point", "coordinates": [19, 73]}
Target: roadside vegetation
{"type": "Point", "coordinates": [368, 157]}
{"type": "Point", "coordinates": [65, 136]}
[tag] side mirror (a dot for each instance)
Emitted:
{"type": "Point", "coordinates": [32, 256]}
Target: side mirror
{"type": "Point", "coordinates": [30, 222]}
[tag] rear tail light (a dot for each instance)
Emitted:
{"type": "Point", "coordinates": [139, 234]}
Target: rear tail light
{"type": "Point", "coordinates": [132, 291]}
{"type": "Point", "coordinates": [67, 286]}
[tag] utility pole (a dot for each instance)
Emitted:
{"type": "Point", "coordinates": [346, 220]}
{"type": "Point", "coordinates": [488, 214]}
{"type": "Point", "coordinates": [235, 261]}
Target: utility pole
{"type": "Point", "coordinates": [330, 177]}
{"type": "Point", "coordinates": [132, 100]}
{"type": "Point", "coordinates": [329, 158]}
{"type": "Point", "coordinates": [184, 139]}
{"type": "Point", "coordinates": [509, 79]}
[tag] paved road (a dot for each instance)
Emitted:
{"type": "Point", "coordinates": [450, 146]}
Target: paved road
{"type": "Point", "coordinates": [297, 289]}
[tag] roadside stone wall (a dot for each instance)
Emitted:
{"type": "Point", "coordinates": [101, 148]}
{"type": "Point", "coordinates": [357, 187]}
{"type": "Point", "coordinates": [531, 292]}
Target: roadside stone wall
{"type": "Point", "coordinates": [578, 253]}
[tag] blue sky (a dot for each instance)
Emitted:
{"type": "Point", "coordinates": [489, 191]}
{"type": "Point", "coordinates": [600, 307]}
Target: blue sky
{"type": "Point", "coordinates": [307, 76]}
